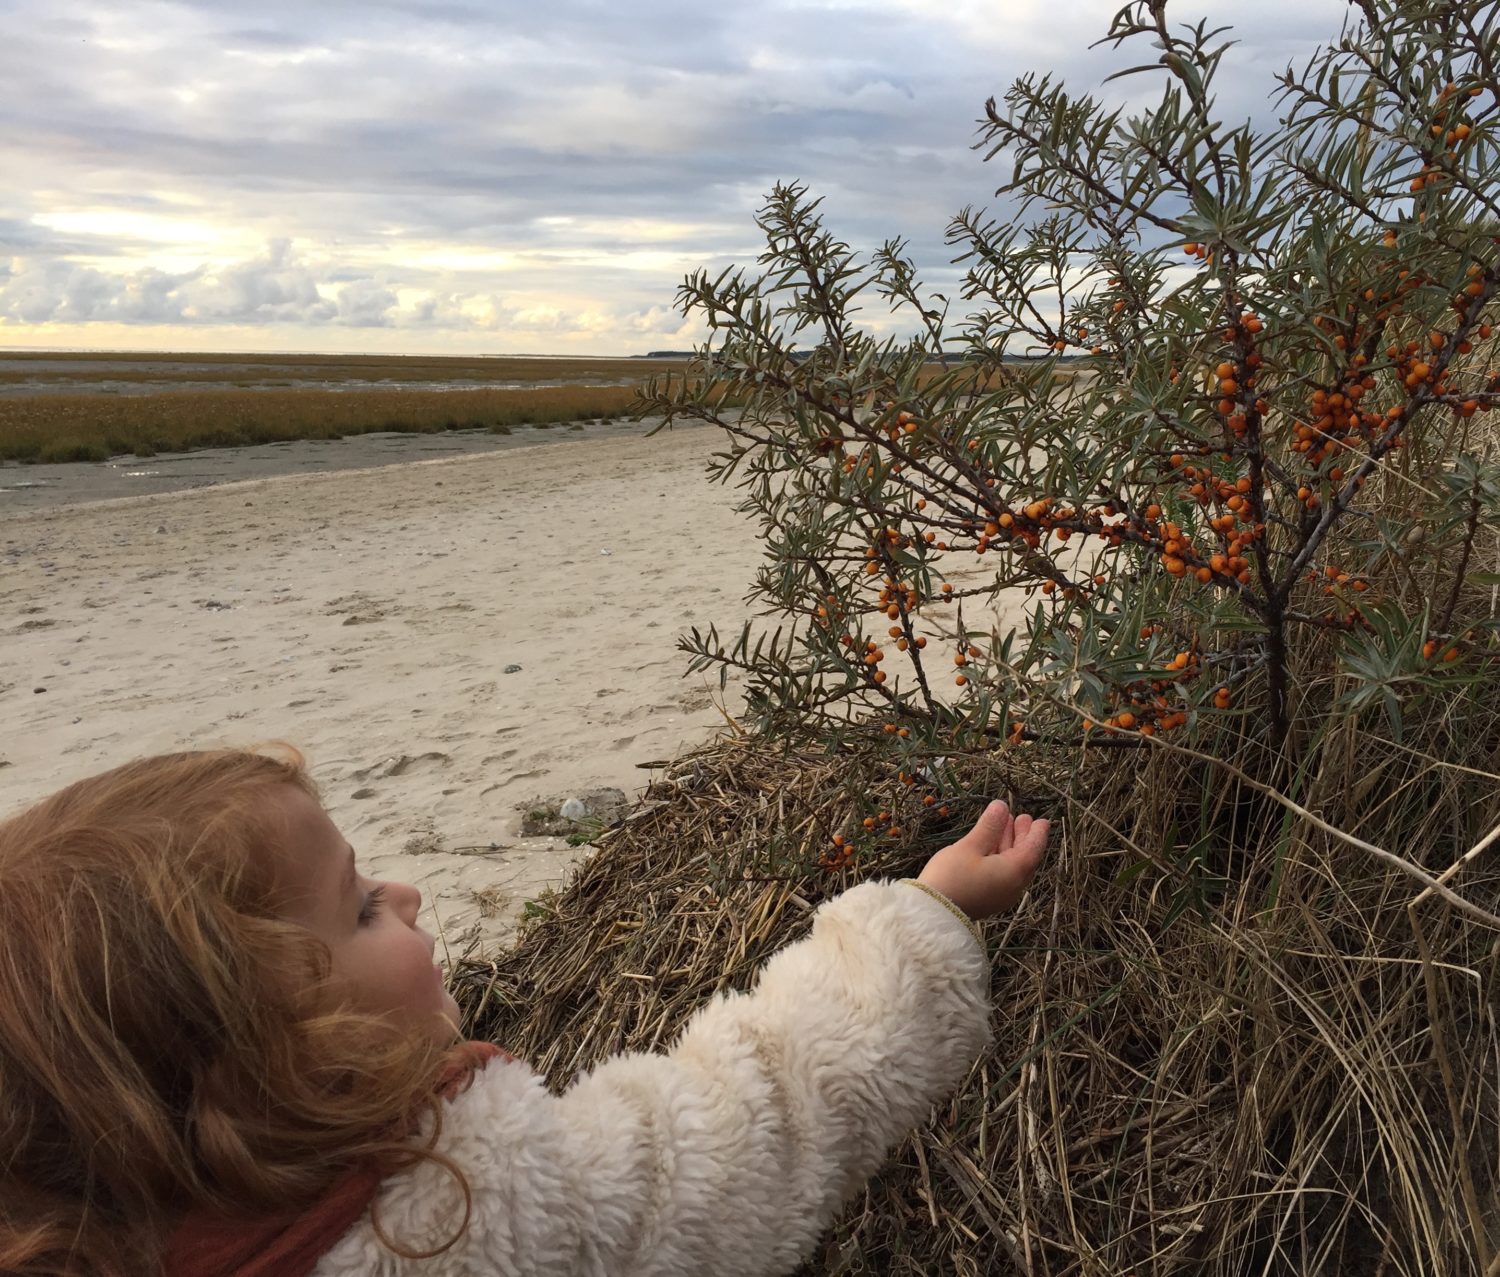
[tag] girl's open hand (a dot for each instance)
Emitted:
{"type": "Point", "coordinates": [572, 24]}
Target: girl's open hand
{"type": "Point", "coordinates": [988, 870]}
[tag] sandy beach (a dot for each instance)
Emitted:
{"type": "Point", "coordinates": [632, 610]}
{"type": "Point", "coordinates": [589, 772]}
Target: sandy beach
{"type": "Point", "coordinates": [450, 641]}
{"type": "Point", "coordinates": [369, 617]}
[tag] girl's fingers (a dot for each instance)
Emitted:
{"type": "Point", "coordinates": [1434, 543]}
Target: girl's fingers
{"type": "Point", "coordinates": [988, 831]}
{"type": "Point", "coordinates": [999, 831]}
{"type": "Point", "coordinates": [1035, 840]}
{"type": "Point", "coordinates": [1005, 835]}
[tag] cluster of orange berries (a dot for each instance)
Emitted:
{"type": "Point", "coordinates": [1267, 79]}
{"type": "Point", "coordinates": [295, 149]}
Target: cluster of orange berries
{"type": "Point", "coordinates": [1237, 527]}
{"type": "Point", "coordinates": [960, 659]}
{"type": "Point", "coordinates": [872, 658]}
{"type": "Point", "coordinates": [867, 459]}
{"type": "Point", "coordinates": [1235, 384]}
{"type": "Point", "coordinates": [1471, 295]}
{"type": "Point", "coordinates": [1147, 719]}
{"type": "Point", "coordinates": [902, 644]}
{"type": "Point", "coordinates": [1451, 131]}
{"type": "Point", "coordinates": [840, 855]}
{"type": "Point", "coordinates": [874, 654]}
{"type": "Point", "coordinates": [1431, 647]}
{"type": "Point", "coordinates": [844, 849]}
{"type": "Point", "coordinates": [1387, 302]}
{"type": "Point", "coordinates": [1333, 578]}
{"type": "Point", "coordinates": [828, 612]}
{"type": "Point", "coordinates": [904, 425]}
{"type": "Point", "coordinates": [1149, 712]}
{"type": "Point", "coordinates": [1335, 581]}
{"type": "Point", "coordinates": [1413, 365]}
{"type": "Point", "coordinates": [1336, 422]}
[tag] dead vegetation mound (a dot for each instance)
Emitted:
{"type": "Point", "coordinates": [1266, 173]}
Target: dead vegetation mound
{"type": "Point", "coordinates": [1291, 1072]}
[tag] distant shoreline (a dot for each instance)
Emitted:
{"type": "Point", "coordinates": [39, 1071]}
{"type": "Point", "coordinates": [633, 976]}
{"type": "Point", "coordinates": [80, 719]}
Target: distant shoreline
{"type": "Point", "coordinates": [38, 487]}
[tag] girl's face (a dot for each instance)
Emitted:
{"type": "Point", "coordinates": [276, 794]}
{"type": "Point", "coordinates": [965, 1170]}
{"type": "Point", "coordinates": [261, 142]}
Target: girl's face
{"type": "Point", "coordinates": [379, 954]}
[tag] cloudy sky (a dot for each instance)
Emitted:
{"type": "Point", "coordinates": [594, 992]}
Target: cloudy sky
{"type": "Point", "coordinates": [492, 176]}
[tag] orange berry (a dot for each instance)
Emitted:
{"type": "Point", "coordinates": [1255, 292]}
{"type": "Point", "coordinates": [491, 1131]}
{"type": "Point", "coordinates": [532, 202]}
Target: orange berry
{"type": "Point", "coordinates": [960, 680]}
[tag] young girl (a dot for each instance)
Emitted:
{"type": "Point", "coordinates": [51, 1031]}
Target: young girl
{"type": "Point", "coordinates": [224, 1050]}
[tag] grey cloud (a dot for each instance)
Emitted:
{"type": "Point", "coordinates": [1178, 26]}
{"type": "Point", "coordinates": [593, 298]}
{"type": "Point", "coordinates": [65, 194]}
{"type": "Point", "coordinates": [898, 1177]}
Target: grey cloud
{"type": "Point", "coordinates": [274, 288]}
{"type": "Point", "coordinates": [359, 128]}
{"type": "Point", "coordinates": [263, 38]}
{"type": "Point", "coordinates": [21, 237]}
{"type": "Point", "coordinates": [366, 304]}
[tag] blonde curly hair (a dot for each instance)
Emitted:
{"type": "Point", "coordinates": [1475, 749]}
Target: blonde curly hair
{"type": "Point", "coordinates": [169, 1045]}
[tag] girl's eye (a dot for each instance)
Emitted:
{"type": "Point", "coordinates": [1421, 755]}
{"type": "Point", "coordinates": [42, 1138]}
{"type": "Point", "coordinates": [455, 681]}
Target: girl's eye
{"type": "Point", "coordinates": [371, 905]}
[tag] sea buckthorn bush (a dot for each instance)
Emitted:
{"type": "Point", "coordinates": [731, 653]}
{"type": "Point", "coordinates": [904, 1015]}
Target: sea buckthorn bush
{"type": "Point", "coordinates": [1177, 520]}
{"type": "Point", "coordinates": [1212, 413]}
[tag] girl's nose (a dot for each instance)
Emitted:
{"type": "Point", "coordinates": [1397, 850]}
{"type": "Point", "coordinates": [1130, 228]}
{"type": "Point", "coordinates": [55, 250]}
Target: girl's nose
{"type": "Point", "coordinates": [409, 899]}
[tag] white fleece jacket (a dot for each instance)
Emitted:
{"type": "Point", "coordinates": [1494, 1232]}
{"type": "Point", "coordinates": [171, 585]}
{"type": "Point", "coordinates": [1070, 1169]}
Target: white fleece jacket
{"type": "Point", "coordinates": [731, 1153]}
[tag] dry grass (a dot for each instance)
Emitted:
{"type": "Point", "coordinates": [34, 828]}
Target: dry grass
{"type": "Point", "coordinates": [292, 369]}
{"type": "Point", "coordinates": [1281, 1082]}
{"type": "Point", "coordinates": [92, 427]}
{"type": "Point", "coordinates": [268, 399]}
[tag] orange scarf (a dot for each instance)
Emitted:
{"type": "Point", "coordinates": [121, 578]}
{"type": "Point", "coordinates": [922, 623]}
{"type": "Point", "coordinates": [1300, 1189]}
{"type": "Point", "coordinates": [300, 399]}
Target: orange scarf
{"type": "Point", "coordinates": [216, 1246]}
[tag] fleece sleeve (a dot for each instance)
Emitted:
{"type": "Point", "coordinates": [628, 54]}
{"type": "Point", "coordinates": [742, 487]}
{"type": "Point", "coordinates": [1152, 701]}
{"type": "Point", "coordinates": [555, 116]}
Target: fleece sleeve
{"type": "Point", "coordinates": [732, 1152]}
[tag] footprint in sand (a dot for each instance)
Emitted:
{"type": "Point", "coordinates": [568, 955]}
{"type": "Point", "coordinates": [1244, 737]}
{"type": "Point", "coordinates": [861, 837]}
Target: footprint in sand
{"type": "Point", "coordinates": [401, 765]}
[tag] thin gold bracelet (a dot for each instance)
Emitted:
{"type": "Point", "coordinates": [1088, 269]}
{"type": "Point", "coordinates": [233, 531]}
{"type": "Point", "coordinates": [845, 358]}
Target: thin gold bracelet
{"type": "Point", "coordinates": [948, 904]}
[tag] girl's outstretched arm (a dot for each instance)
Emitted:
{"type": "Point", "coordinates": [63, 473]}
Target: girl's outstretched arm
{"type": "Point", "coordinates": [732, 1152]}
